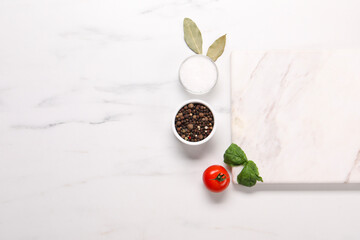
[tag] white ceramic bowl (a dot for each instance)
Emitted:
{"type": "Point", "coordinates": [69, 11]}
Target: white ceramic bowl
{"type": "Point", "coordinates": [205, 139]}
{"type": "Point", "coordinates": [208, 68]}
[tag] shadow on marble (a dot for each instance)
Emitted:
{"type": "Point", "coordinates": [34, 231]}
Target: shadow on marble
{"type": "Point", "coordinates": [216, 197]}
{"type": "Point", "coordinates": [299, 187]}
{"type": "Point", "coordinates": [195, 152]}
{"type": "Point", "coordinates": [205, 97]}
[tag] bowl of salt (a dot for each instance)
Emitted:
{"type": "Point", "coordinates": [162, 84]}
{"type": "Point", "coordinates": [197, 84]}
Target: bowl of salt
{"type": "Point", "coordinates": [198, 74]}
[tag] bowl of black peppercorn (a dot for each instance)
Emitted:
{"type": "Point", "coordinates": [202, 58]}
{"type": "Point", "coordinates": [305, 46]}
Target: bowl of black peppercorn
{"type": "Point", "coordinates": [194, 122]}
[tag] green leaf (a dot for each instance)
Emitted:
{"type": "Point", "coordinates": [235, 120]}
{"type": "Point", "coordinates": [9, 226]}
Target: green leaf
{"type": "Point", "coordinates": [234, 155]}
{"type": "Point", "coordinates": [192, 36]}
{"type": "Point", "coordinates": [217, 48]}
{"type": "Point", "coordinates": [249, 175]}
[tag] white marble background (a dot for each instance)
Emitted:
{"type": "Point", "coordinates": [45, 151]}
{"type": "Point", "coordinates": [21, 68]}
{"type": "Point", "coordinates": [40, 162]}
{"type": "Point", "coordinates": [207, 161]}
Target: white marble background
{"type": "Point", "coordinates": [297, 114]}
{"type": "Point", "coordinates": [87, 93]}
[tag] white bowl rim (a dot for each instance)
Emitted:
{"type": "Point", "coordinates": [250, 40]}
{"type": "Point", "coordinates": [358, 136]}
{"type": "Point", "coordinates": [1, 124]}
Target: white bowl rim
{"type": "Point", "coordinates": [205, 139]}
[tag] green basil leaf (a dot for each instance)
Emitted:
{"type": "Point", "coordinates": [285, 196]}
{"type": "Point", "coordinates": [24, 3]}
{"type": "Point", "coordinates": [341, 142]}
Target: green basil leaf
{"type": "Point", "coordinates": [234, 155]}
{"type": "Point", "coordinates": [217, 48]}
{"type": "Point", "coordinates": [192, 36]}
{"type": "Point", "coordinates": [249, 175]}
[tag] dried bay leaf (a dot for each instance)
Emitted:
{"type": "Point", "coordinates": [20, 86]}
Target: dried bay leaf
{"type": "Point", "coordinates": [217, 48]}
{"type": "Point", "coordinates": [192, 36]}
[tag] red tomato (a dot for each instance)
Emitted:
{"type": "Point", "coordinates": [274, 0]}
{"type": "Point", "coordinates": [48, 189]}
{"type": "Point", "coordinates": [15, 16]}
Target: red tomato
{"type": "Point", "coordinates": [216, 178]}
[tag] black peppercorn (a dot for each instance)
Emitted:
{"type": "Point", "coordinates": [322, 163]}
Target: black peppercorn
{"type": "Point", "coordinates": [194, 122]}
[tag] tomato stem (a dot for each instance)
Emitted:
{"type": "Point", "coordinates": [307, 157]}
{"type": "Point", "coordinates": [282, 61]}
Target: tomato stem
{"type": "Point", "coordinates": [220, 177]}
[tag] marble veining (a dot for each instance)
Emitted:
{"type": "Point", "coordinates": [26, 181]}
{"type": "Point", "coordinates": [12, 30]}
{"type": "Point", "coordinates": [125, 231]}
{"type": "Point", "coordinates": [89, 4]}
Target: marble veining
{"type": "Point", "coordinates": [297, 114]}
{"type": "Point", "coordinates": [88, 91]}
{"type": "Point", "coordinates": [106, 119]}
{"type": "Point", "coordinates": [353, 168]}
{"type": "Point", "coordinates": [92, 33]}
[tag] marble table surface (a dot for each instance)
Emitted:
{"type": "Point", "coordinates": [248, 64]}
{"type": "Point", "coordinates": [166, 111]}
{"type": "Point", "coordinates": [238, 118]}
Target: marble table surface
{"type": "Point", "coordinates": [87, 93]}
{"type": "Point", "coordinates": [296, 113]}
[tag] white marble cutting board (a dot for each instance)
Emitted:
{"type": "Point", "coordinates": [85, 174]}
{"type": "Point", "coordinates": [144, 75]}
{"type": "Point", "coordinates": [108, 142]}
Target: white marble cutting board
{"type": "Point", "coordinates": [297, 114]}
